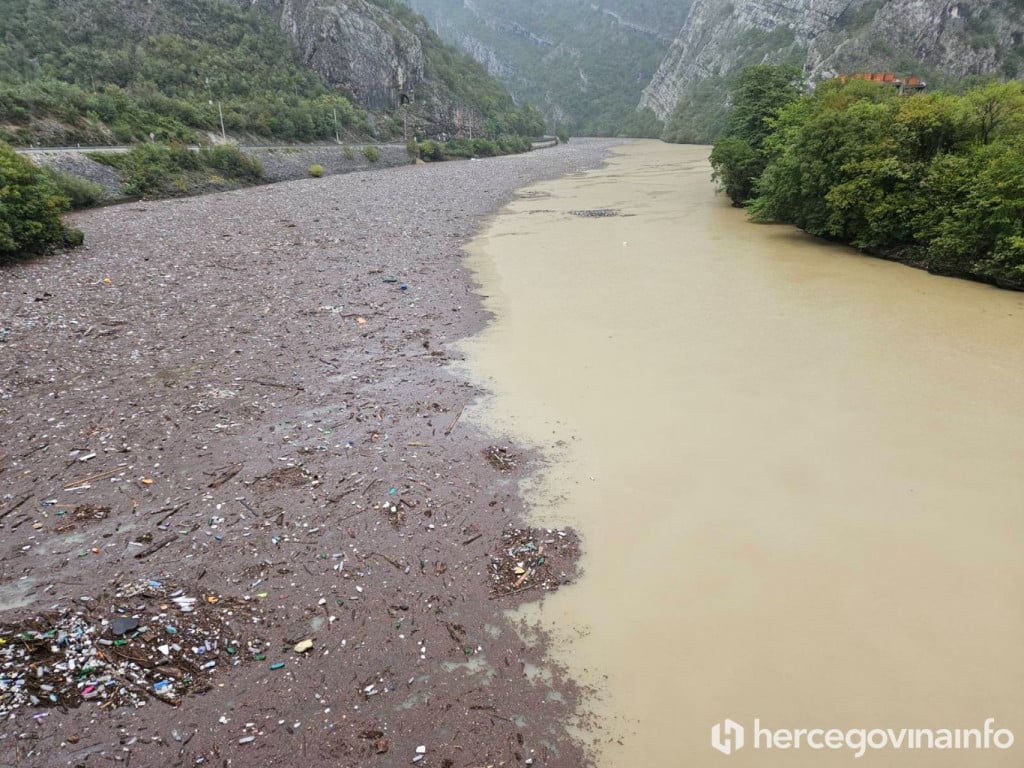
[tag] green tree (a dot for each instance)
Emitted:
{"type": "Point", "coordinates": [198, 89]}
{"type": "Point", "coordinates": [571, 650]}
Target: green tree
{"type": "Point", "coordinates": [758, 95]}
{"type": "Point", "coordinates": [972, 215]}
{"type": "Point", "coordinates": [931, 179]}
{"type": "Point", "coordinates": [30, 208]}
{"type": "Point", "coordinates": [841, 165]}
{"type": "Point", "coordinates": [996, 108]}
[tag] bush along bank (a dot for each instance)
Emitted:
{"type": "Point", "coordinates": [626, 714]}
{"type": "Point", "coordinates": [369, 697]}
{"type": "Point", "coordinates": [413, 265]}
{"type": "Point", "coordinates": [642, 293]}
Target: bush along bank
{"type": "Point", "coordinates": [932, 180]}
{"type": "Point", "coordinates": [463, 149]}
{"type": "Point", "coordinates": [166, 170]}
{"type": "Point", "coordinates": [31, 204]}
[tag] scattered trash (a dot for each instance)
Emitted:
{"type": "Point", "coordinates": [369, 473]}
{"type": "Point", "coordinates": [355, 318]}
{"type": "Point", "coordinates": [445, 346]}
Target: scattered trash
{"type": "Point", "coordinates": [597, 213]}
{"type": "Point", "coordinates": [65, 659]}
{"type": "Point", "coordinates": [501, 458]}
{"type": "Point", "coordinates": [120, 626]}
{"type": "Point", "coordinates": [294, 476]}
{"type": "Point", "coordinates": [303, 646]}
{"type": "Point", "coordinates": [524, 560]}
{"type": "Point", "coordinates": [185, 604]}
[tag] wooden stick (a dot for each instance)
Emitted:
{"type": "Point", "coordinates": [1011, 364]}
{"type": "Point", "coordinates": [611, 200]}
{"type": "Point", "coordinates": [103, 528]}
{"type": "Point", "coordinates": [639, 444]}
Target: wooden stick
{"type": "Point", "coordinates": [532, 570]}
{"type": "Point", "coordinates": [156, 547]}
{"type": "Point", "coordinates": [276, 384]}
{"type": "Point", "coordinates": [455, 421]}
{"type": "Point", "coordinates": [514, 592]}
{"type": "Point", "coordinates": [97, 476]}
{"type": "Point", "coordinates": [17, 504]}
{"type": "Point", "coordinates": [378, 554]}
{"type": "Point", "coordinates": [235, 469]}
{"type": "Point", "coordinates": [339, 496]}
{"type": "Point", "coordinates": [169, 515]}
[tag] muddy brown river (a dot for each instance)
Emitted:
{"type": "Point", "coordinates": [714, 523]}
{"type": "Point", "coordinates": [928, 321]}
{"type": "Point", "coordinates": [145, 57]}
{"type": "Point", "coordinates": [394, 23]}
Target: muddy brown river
{"type": "Point", "coordinates": [796, 471]}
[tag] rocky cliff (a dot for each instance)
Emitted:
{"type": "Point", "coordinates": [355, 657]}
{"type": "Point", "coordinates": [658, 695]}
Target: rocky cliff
{"type": "Point", "coordinates": [388, 57]}
{"type": "Point", "coordinates": [938, 39]}
{"type": "Point", "coordinates": [354, 44]}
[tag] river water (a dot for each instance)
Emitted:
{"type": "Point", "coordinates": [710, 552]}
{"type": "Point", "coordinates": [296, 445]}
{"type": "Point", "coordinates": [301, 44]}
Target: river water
{"type": "Point", "coordinates": [796, 470]}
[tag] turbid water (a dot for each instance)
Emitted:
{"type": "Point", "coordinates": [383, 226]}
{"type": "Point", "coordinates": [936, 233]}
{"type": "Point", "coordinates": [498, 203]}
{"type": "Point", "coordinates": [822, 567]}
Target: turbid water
{"type": "Point", "coordinates": [796, 470]}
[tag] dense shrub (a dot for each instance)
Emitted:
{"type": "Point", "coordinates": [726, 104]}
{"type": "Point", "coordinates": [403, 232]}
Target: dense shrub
{"type": "Point", "coordinates": [316, 170]}
{"type": "Point", "coordinates": [231, 163]}
{"type": "Point", "coordinates": [81, 193]}
{"type": "Point", "coordinates": [30, 208]}
{"type": "Point", "coordinates": [166, 169]}
{"type": "Point", "coordinates": [433, 151]}
{"type": "Point", "coordinates": [371, 153]}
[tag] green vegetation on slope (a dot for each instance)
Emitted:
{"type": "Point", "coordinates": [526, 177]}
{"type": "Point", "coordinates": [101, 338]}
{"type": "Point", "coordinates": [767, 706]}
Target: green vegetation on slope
{"type": "Point", "coordinates": [934, 180]}
{"type": "Point", "coordinates": [99, 71]}
{"type": "Point", "coordinates": [161, 170]}
{"type": "Point", "coordinates": [432, 151]}
{"type": "Point", "coordinates": [119, 71]}
{"type": "Point", "coordinates": [758, 95]}
{"type": "Point", "coordinates": [584, 67]}
{"type": "Point", "coordinates": [30, 208]}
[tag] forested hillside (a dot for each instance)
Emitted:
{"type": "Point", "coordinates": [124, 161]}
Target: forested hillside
{"type": "Point", "coordinates": [103, 71]}
{"type": "Point", "coordinates": [112, 71]}
{"type": "Point", "coordinates": [583, 63]}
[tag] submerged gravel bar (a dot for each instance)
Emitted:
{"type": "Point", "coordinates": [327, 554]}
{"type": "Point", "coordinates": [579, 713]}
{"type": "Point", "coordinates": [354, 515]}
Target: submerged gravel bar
{"type": "Point", "coordinates": [241, 522]}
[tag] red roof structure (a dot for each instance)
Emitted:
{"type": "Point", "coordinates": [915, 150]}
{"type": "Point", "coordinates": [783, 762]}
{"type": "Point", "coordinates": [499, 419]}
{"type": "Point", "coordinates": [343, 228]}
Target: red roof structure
{"type": "Point", "coordinates": [909, 84]}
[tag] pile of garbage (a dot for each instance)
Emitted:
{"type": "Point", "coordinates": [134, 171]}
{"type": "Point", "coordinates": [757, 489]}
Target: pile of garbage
{"type": "Point", "coordinates": [157, 642]}
{"type": "Point", "coordinates": [501, 458]}
{"type": "Point", "coordinates": [532, 558]}
{"type": "Point", "coordinates": [597, 213]}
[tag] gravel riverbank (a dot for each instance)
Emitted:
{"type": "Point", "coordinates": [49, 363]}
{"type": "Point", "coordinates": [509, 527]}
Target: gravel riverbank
{"type": "Point", "coordinates": [236, 489]}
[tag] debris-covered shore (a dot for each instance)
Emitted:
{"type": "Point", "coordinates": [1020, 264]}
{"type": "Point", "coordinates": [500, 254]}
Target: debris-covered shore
{"type": "Point", "coordinates": [241, 520]}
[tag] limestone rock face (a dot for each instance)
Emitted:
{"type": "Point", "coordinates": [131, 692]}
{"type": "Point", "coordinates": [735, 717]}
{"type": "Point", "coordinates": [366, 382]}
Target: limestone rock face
{"type": "Point", "coordinates": [353, 44]}
{"type": "Point", "coordinates": [828, 37]}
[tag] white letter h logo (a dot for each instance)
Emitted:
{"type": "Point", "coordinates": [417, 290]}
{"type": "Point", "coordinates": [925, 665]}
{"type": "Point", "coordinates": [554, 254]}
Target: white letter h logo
{"type": "Point", "coordinates": [727, 737]}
